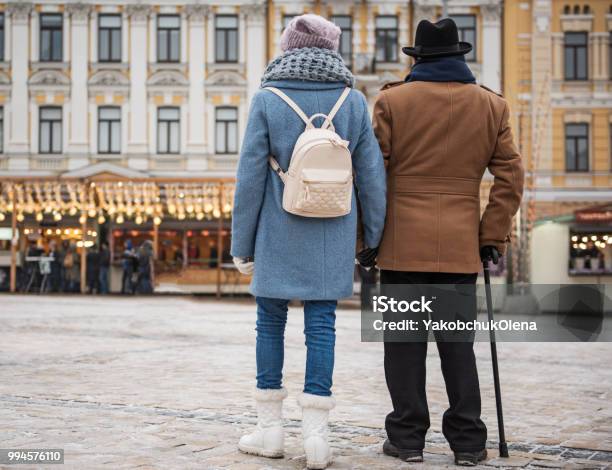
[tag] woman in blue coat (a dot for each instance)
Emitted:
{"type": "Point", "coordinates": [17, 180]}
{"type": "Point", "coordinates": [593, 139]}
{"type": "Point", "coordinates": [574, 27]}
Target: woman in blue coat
{"type": "Point", "coordinates": [294, 257]}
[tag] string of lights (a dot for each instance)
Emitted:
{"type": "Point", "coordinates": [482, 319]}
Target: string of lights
{"type": "Point", "coordinates": [118, 201]}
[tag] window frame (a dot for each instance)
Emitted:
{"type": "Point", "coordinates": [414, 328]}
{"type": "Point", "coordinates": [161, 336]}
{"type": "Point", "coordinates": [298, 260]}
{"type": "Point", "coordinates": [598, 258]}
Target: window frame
{"type": "Point", "coordinates": [159, 29]}
{"type": "Point", "coordinates": [109, 122]}
{"type": "Point", "coordinates": [1, 129]}
{"type": "Point", "coordinates": [574, 48]}
{"type": "Point", "coordinates": [575, 143]}
{"type": "Point", "coordinates": [2, 36]}
{"type": "Point", "coordinates": [287, 17]}
{"type": "Point", "coordinates": [51, 122]}
{"type": "Point", "coordinates": [387, 59]}
{"type": "Point", "coordinates": [226, 123]}
{"type": "Point", "coordinates": [168, 150]}
{"type": "Point", "coordinates": [346, 32]}
{"type": "Point", "coordinates": [111, 59]}
{"type": "Point", "coordinates": [472, 56]}
{"type": "Point", "coordinates": [42, 28]}
{"type": "Point", "coordinates": [226, 32]}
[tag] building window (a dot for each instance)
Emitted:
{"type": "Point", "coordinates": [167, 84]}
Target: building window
{"type": "Point", "coordinates": [1, 130]}
{"type": "Point", "coordinates": [168, 38]}
{"type": "Point", "coordinates": [168, 130]}
{"type": "Point", "coordinates": [109, 129]}
{"type": "Point", "coordinates": [109, 38]}
{"type": "Point", "coordinates": [50, 130]}
{"type": "Point", "coordinates": [226, 38]}
{"type": "Point", "coordinates": [466, 27]}
{"type": "Point", "coordinates": [345, 23]}
{"type": "Point", "coordinates": [577, 147]}
{"type": "Point", "coordinates": [226, 120]}
{"type": "Point", "coordinates": [576, 61]}
{"type": "Point", "coordinates": [287, 19]}
{"type": "Point", "coordinates": [51, 37]}
{"type": "Point", "coordinates": [1, 37]}
{"type": "Point", "coordinates": [386, 39]}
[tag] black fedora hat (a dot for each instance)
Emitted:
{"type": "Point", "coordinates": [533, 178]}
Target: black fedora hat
{"type": "Point", "coordinates": [437, 40]}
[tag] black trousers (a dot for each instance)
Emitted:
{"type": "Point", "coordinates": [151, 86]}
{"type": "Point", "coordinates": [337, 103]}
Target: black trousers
{"type": "Point", "coordinates": [408, 423]}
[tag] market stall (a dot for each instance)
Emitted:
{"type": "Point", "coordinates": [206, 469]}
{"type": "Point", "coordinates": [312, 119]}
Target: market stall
{"type": "Point", "coordinates": [187, 223]}
{"type": "Point", "coordinates": [575, 248]}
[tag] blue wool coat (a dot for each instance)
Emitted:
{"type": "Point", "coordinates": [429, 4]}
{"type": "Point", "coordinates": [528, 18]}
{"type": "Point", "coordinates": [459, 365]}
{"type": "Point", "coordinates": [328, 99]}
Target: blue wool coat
{"type": "Point", "coordinates": [299, 257]}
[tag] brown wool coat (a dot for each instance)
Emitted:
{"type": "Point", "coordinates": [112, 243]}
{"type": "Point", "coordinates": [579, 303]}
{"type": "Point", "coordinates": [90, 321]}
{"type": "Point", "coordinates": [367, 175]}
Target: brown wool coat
{"type": "Point", "coordinates": [438, 138]}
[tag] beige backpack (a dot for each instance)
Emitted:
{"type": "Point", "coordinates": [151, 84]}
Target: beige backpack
{"type": "Point", "coordinates": [319, 180]}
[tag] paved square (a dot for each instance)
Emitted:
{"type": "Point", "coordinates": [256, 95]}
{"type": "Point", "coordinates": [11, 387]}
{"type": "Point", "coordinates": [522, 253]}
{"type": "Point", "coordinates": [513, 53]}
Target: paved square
{"type": "Point", "coordinates": [165, 382]}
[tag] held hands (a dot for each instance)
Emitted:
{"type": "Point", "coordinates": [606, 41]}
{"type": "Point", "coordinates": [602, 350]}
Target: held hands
{"type": "Point", "coordinates": [245, 265]}
{"type": "Point", "coordinates": [367, 257]}
{"type": "Point", "coordinates": [489, 253]}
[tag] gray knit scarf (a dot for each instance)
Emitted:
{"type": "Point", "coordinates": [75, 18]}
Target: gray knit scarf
{"type": "Point", "coordinates": [309, 63]}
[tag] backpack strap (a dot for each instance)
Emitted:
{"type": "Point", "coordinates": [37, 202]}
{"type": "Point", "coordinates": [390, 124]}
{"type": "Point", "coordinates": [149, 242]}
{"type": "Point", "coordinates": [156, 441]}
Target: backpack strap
{"type": "Point", "coordinates": [327, 123]}
{"type": "Point", "coordinates": [336, 107]}
{"type": "Point", "coordinates": [291, 104]}
{"type": "Point", "coordinates": [271, 160]}
{"type": "Point", "coordinates": [277, 169]}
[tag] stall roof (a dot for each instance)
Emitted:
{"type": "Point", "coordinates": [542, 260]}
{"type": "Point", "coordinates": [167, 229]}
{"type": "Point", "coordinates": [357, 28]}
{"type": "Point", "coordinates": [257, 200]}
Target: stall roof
{"type": "Point", "coordinates": [594, 215]}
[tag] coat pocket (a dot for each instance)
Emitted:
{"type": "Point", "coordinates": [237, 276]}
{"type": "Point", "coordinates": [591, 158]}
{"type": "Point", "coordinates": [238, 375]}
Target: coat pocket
{"type": "Point", "coordinates": [416, 228]}
{"type": "Point", "coordinates": [459, 233]}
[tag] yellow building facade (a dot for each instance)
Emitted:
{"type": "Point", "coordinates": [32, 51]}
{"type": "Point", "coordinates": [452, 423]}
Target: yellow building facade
{"type": "Point", "coordinates": [558, 80]}
{"type": "Point", "coordinates": [557, 76]}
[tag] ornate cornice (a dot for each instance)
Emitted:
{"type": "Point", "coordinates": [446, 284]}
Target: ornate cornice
{"type": "Point", "coordinates": [108, 78]}
{"type": "Point", "coordinates": [79, 11]}
{"type": "Point", "coordinates": [424, 11]}
{"type": "Point", "coordinates": [48, 79]}
{"type": "Point", "coordinates": [254, 12]}
{"type": "Point", "coordinates": [225, 78]}
{"type": "Point", "coordinates": [167, 78]}
{"type": "Point", "coordinates": [491, 12]}
{"type": "Point", "coordinates": [197, 11]}
{"type": "Point", "coordinates": [139, 12]}
{"type": "Point", "coordinates": [19, 11]}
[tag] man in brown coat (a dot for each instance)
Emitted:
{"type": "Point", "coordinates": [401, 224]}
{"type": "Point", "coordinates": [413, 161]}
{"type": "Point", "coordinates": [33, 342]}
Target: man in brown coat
{"type": "Point", "coordinates": [439, 131]}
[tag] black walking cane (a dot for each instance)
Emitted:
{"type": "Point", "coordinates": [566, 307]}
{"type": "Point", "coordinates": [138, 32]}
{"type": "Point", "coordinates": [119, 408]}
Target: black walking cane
{"type": "Point", "coordinates": [503, 447]}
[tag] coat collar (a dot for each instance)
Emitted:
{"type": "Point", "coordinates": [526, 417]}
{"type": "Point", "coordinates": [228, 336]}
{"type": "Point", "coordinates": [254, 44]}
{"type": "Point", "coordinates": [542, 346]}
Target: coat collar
{"type": "Point", "coordinates": [444, 69]}
{"type": "Point", "coordinates": [304, 85]}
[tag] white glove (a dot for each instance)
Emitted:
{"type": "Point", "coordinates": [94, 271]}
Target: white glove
{"type": "Point", "coordinates": [244, 266]}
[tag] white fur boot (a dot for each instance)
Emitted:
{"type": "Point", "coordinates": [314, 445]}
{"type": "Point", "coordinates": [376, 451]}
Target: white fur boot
{"type": "Point", "coordinates": [315, 416]}
{"type": "Point", "coordinates": [268, 439]}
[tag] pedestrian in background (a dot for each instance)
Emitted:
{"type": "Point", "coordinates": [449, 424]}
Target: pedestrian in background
{"type": "Point", "coordinates": [128, 262]}
{"type": "Point", "coordinates": [439, 132]}
{"type": "Point", "coordinates": [56, 266]}
{"type": "Point", "coordinates": [295, 257]}
{"type": "Point", "coordinates": [72, 269]}
{"type": "Point", "coordinates": [93, 271]}
{"type": "Point", "coordinates": [104, 260]}
{"type": "Point", "coordinates": [145, 267]}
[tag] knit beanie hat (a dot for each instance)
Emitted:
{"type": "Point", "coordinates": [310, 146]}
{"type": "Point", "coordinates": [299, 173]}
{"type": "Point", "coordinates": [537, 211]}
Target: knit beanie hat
{"type": "Point", "coordinates": [310, 31]}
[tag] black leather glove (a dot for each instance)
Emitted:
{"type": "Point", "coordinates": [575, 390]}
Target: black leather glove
{"type": "Point", "coordinates": [489, 253]}
{"type": "Point", "coordinates": [367, 257]}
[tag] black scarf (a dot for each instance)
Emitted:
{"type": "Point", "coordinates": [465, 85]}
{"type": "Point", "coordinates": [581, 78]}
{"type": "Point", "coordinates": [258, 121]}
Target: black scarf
{"type": "Point", "coordinates": [442, 69]}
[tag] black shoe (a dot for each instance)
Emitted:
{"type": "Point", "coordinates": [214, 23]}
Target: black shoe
{"type": "Point", "coordinates": [470, 459]}
{"type": "Point", "coordinates": [403, 454]}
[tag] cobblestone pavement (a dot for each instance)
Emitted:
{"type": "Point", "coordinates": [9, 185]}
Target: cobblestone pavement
{"type": "Point", "coordinates": [166, 383]}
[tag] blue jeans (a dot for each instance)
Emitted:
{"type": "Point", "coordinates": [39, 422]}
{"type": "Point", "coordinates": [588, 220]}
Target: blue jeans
{"type": "Point", "coordinates": [103, 280]}
{"type": "Point", "coordinates": [320, 332]}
